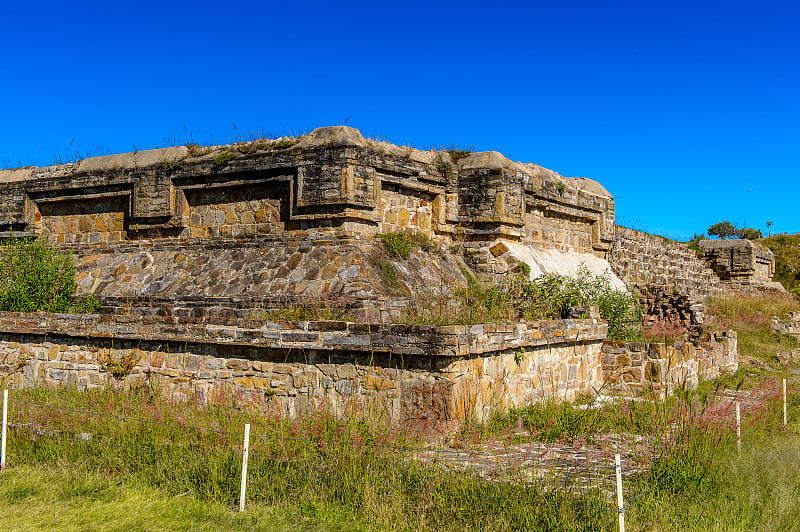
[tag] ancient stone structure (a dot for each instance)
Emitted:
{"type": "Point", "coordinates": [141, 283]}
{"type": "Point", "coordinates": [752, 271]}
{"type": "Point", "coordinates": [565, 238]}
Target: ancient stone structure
{"type": "Point", "coordinates": [399, 371]}
{"type": "Point", "coordinates": [637, 367]}
{"type": "Point", "coordinates": [740, 262]}
{"type": "Point", "coordinates": [788, 325]}
{"type": "Point", "coordinates": [189, 248]}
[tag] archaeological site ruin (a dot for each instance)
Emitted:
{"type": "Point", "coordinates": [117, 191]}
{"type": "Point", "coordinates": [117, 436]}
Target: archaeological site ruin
{"type": "Point", "coordinates": [190, 251]}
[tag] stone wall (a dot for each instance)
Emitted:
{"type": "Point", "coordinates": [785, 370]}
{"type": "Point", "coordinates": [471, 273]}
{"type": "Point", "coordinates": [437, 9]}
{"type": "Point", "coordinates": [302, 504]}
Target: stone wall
{"type": "Point", "coordinates": [788, 325]}
{"type": "Point", "coordinates": [742, 261]}
{"type": "Point", "coordinates": [635, 367]}
{"type": "Point", "coordinates": [401, 371]}
{"type": "Point", "coordinates": [327, 185]}
{"type": "Point", "coordinates": [641, 259]}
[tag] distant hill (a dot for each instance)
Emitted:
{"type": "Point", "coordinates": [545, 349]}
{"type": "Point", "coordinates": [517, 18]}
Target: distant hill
{"type": "Point", "coordinates": [787, 259]}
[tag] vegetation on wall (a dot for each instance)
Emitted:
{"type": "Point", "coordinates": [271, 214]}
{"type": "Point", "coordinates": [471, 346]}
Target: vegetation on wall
{"type": "Point", "coordinates": [34, 277]}
{"type": "Point", "coordinates": [546, 297]}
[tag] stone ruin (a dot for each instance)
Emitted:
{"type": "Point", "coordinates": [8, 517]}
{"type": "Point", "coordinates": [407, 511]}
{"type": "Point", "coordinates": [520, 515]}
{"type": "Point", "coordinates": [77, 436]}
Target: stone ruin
{"type": "Point", "coordinates": [190, 248]}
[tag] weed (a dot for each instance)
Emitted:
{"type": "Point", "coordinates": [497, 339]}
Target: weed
{"type": "Point", "coordinates": [388, 272]}
{"type": "Point", "coordinates": [309, 309]}
{"type": "Point", "coordinates": [223, 158]}
{"type": "Point", "coordinates": [445, 169]}
{"type": "Point", "coordinates": [561, 187]}
{"type": "Point", "coordinates": [458, 153]}
{"type": "Point", "coordinates": [750, 315]}
{"type": "Point", "coordinates": [283, 144]}
{"type": "Point", "coordinates": [518, 298]}
{"type": "Point", "coordinates": [85, 305]}
{"type": "Point", "coordinates": [120, 366]}
{"type": "Point", "coordinates": [400, 244]}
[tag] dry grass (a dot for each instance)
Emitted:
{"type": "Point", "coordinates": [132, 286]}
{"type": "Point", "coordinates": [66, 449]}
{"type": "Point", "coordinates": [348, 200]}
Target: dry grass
{"type": "Point", "coordinates": [751, 315]}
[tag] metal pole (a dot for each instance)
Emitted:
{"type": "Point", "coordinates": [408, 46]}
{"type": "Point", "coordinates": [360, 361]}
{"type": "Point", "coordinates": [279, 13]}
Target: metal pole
{"type": "Point", "coordinates": [245, 452]}
{"type": "Point", "coordinates": [620, 504]}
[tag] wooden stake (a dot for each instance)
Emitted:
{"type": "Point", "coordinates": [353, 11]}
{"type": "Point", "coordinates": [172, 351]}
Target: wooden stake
{"type": "Point", "coordinates": [245, 452]}
{"type": "Point", "coordinates": [5, 426]}
{"type": "Point", "coordinates": [620, 504]}
{"type": "Point", "coordinates": [785, 413]}
{"type": "Point", "coordinates": [738, 431]}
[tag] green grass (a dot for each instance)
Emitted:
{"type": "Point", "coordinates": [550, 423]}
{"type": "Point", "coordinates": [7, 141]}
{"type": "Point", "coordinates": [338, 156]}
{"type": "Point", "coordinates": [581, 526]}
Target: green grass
{"type": "Point", "coordinates": [750, 315]}
{"type": "Point", "coordinates": [296, 466]}
{"type": "Point", "coordinates": [787, 259]}
{"type": "Point", "coordinates": [68, 498]}
{"type": "Point", "coordinates": [309, 309]}
{"type": "Point", "coordinates": [301, 479]}
{"type": "Point", "coordinates": [400, 244]}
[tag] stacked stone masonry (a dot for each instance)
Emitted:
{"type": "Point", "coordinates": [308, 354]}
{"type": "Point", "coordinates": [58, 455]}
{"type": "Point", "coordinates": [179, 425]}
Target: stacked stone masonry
{"type": "Point", "coordinates": [788, 325]}
{"type": "Point", "coordinates": [403, 371]}
{"type": "Point", "coordinates": [639, 367]}
{"type": "Point", "coordinates": [193, 247]}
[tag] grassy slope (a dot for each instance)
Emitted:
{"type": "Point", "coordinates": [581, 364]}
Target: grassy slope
{"type": "Point", "coordinates": [751, 317]}
{"type": "Point", "coordinates": [787, 258]}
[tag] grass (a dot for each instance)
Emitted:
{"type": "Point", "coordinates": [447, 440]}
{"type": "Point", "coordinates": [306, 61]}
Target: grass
{"type": "Point", "coordinates": [67, 497]}
{"type": "Point", "coordinates": [787, 259]}
{"type": "Point", "coordinates": [400, 244]}
{"type": "Point", "coordinates": [750, 315]}
{"type": "Point", "coordinates": [309, 309]}
{"type": "Point", "coordinates": [166, 475]}
{"type": "Point", "coordinates": [298, 466]}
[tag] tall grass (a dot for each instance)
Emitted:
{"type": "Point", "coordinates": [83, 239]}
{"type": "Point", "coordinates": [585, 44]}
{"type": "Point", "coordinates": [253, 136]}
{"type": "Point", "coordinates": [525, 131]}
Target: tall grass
{"type": "Point", "coordinates": [350, 466]}
{"type": "Point", "coordinates": [351, 472]}
{"type": "Point", "coordinates": [750, 315]}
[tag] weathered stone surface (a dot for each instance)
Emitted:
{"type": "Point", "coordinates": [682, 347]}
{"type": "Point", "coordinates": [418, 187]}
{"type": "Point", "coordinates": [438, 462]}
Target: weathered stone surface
{"type": "Point", "coordinates": [491, 375]}
{"type": "Point", "coordinates": [668, 366]}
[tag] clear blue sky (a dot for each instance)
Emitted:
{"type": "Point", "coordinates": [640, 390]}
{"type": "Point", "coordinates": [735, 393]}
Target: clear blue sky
{"type": "Point", "coordinates": [688, 112]}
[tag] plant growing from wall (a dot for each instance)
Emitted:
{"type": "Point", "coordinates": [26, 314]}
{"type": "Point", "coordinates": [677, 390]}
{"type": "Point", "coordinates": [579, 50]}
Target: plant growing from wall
{"type": "Point", "coordinates": [399, 244]}
{"type": "Point", "coordinates": [34, 277]}
{"type": "Point", "coordinates": [121, 366]}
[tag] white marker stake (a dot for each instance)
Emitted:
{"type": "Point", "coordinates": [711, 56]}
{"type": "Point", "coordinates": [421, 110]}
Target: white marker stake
{"type": "Point", "coordinates": [620, 505]}
{"type": "Point", "coordinates": [738, 431]}
{"type": "Point", "coordinates": [245, 452]}
{"type": "Point", "coordinates": [5, 425]}
{"type": "Point", "coordinates": [785, 417]}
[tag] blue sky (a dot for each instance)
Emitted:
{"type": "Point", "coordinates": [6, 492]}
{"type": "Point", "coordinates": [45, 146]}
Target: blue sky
{"type": "Point", "coordinates": [688, 112]}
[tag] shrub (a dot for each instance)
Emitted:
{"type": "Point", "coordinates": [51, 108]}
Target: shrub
{"type": "Point", "coordinates": [36, 277]}
{"type": "Point", "coordinates": [549, 296]}
{"type": "Point", "coordinates": [400, 244]}
{"type": "Point", "coordinates": [545, 297]}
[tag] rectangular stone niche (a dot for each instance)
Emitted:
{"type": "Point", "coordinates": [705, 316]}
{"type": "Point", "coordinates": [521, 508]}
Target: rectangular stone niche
{"type": "Point", "coordinates": [402, 372]}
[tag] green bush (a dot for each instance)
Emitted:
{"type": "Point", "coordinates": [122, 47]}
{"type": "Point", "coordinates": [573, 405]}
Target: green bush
{"type": "Point", "coordinates": [549, 296]}
{"type": "Point", "coordinates": [36, 277]}
{"type": "Point", "coordinates": [400, 244]}
{"type": "Point", "coordinates": [545, 297]}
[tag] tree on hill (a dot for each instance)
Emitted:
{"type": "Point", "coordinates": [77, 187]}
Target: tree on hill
{"type": "Point", "coordinates": [749, 233]}
{"type": "Point", "coordinates": [726, 229]}
{"type": "Point", "coordinates": [723, 230]}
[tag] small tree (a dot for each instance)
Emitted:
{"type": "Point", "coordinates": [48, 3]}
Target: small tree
{"type": "Point", "coordinates": [749, 233]}
{"type": "Point", "coordinates": [36, 277]}
{"type": "Point", "coordinates": [723, 230]}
